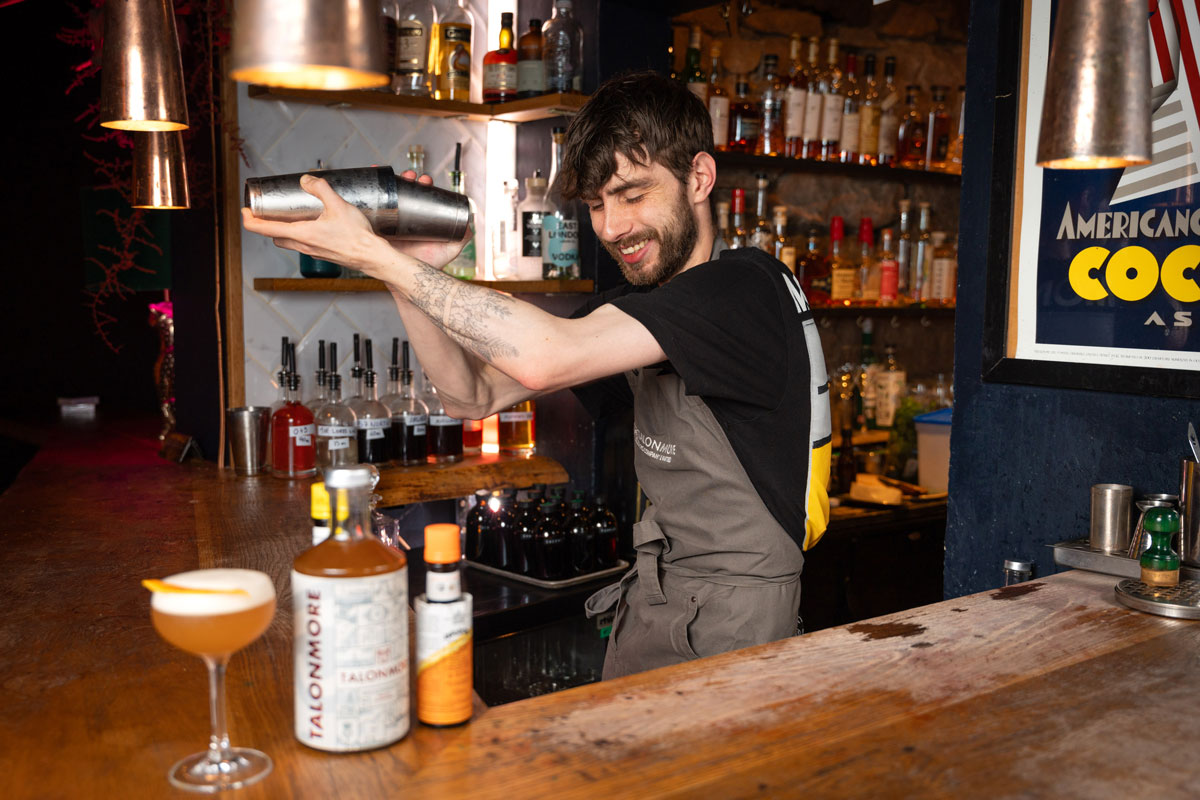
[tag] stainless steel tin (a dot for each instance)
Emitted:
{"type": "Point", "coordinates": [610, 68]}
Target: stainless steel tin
{"type": "Point", "coordinates": [396, 208]}
{"type": "Point", "coordinates": [1112, 505]}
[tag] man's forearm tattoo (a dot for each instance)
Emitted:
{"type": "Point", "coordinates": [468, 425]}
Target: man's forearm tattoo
{"type": "Point", "coordinates": [464, 312]}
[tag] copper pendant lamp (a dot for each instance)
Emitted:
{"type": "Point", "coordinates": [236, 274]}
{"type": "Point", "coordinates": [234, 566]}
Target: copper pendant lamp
{"type": "Point", "coordinates": [309, 44]}
{"type": "Point", "coordinates": [159, 171]}
{"type": "Point", "coordinates": [1096, 112]}
{"type": "Point", "coordinates": [141, 81]}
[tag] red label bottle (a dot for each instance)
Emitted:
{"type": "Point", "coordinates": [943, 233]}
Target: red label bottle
{"type": "Point", "coordinates": [293, 436]}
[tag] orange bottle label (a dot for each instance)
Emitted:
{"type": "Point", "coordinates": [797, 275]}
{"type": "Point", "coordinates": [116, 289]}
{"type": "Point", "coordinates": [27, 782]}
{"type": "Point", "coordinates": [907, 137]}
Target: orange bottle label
{"type": "Point", "coordinates": [444, 661]}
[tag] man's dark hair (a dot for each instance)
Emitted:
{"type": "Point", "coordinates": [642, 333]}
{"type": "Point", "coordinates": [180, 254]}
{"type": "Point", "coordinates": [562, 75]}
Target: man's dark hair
{"type": "Point", "coordinates": [645, 117]}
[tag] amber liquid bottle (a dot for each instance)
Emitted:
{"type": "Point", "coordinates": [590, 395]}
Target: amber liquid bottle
{"type": "Point", "coordinates": [350, 588]}
{"type": "Point", "coordinates": [937, 134]}
{"type": "Point", "coordinates": [500, 66]}
{"type": "Point", "coordinates": [910, 148]}
{"type": "Point", "coordinates": [531, 70]}
{"type": "Point", "coordinates": [516, 432]}
{"type": "Point", "coordinates": [745, 119]}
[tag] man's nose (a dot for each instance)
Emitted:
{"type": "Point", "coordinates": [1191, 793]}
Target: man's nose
{"type": "Point", "coordinates": [617, 223]}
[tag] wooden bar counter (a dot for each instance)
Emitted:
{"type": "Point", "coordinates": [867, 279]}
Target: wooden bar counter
{"type": "Point", "coordinates": [1047, 689]}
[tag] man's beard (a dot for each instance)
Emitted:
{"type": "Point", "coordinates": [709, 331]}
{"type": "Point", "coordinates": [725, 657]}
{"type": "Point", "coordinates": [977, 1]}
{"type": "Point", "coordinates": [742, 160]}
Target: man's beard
{"type": "Point", "coordinates": [675, 245]}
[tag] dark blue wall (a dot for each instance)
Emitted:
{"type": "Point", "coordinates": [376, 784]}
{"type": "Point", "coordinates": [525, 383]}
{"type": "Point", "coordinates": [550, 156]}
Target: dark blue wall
{"type": "Point", "coordinates": [1023, 458]}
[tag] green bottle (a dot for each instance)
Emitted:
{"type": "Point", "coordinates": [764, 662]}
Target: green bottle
{"type": "Point", "coordinates": [1160, 564]}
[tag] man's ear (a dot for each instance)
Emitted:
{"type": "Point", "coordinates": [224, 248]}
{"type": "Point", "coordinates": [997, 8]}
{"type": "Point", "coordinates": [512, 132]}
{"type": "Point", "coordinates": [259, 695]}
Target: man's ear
{"type": "Point", "coordinates": [703, 177]}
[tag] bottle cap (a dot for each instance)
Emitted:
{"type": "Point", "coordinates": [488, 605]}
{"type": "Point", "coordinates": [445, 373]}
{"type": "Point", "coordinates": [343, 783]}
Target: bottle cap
{"type": "Point", "coordinates": [320, 501]}
{"type": "Point", "coordinates": [506, 19]}
{"type": "Point", "coordinates": [866, 231]}
{"type": "Point", "coordinates": [357, 477]}
{"type": "Point", "coordinates": [442, 543]}
{"type": "Point", "coordinates": [837, 229]}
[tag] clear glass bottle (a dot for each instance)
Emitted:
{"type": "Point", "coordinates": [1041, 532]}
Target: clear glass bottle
{"type": "Point", "coordinates": [851, 97]}
{"type": "Point", "coordinates": [795, 102]}
{"type": "Point", "coordinates": [891, 383]}
{"type": "Point", "coordinates": [462, 265]}
{"type": "Point", "coordinates": [889, 116]}
{"type": "Point", "coordinates": [416, 159]}
{"type": "Point", "coordinates": [741, 236]}
{"type": "Point", "coordinates": [943, 271]}
{"type": "Point", "coordinates": [922, 261]}
{"type": "Point", "coordinates": [453, 78]}
{"type": "Point", "coordinates": [784, 248]}
{"type": "Point", "coordinates": [506, 243]}
{"type": "Point", "coordinates": [904, 252]}
{"type": "Point", "coordinates": [372, 419]}
{"type": "Point", "coordinates": [531, 70]}
{"type": "Point", "coordinates": [409, 415]}
{"type": "Point", "coordinates": [531, 211]}
{"type": "Point", "coordinates": [910, 143]}
{"type": "Point", "coordinates": [562, 50]}
{"type": "Point", "coordinates": [843, 271]}
{"type": "Point", "coordinates": [718, 101]}
{"type": "Point", "coordinates": [763, 234]}
{"type": "Point", "coordinates": [868, 114]}
{"type": "Point", "coordinates": [868, 265]}
{"type": "Point", "coordinates": [889, 269]}
{"type": "Point", "coordinates": [351, 588]}
{"type": "Point", "coordinates": [693, 72]}
{"type": "Point", "coordinates": [445, 433]}
{"type": "Point", "coordinates": [337, 429]}
{"type": "Point", "coordinates": [356, 371]}
{"type": "Point", "coordinates": [500, 66]}
{"type": "Point", "coordinates": [814, 102]}
{"type": "Point", "coordinates": [813, 271]}
{"type": "Point", "coordinates": [770, 140]}
{"type": "Point", "coordinates": [516, 430]}
{"type": "Point", "coordinates": [320, 391]}
{"type": "Point", "coordinates": [415, 25]}
{"type": "Point", "coordinates": [745, 118]}
{"type": "Point", "coordinates": [832, 104]}
{"type": "Point", "coordinates": [560, 227]}
{"type": "Point", "coordinates": [937, 137]}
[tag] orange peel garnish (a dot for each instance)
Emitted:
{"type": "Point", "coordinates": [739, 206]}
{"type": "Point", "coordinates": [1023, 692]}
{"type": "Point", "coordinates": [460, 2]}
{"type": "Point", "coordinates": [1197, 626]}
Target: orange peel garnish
{"type": "Point", "coordinates": [155, 585]}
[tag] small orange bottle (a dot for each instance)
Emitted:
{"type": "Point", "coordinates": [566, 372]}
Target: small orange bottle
{"type": "Point", "coordinates": [444, 633]}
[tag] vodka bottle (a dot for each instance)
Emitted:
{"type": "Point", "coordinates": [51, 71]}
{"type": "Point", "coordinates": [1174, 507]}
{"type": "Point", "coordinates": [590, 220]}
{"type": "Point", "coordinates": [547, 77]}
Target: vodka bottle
{"type": "Point", "coordinates": [560, 227]}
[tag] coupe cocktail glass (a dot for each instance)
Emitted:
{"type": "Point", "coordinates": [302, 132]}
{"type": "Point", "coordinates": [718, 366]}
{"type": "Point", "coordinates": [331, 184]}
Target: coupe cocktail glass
{"type": "Point", "coordinates": [213, 613]}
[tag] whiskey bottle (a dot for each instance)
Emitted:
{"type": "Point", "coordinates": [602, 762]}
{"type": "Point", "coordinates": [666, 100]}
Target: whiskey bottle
{"type": "Point", "coordinates": [889, 117]}
{"type": "Point", "coordinates": [516, 430]}
{"type": "Point", "coordinates": [831, 105]}
{"type": "Point", "coordinates": [372, 420]}
{"type": "Point", "coordinates": [409, 415]}
{"type": "Point", "coordinates": [771, 133]}
{"type": "Point", "coordinates": [889, 269]}
{"type": "Point", "coordinates": [350, 616]}
{"type": "Point", "coordinates": [741, 236]}
{"type": "Point", "coordinates": [910, 144]}
{"type": "Point", "coordinates": [843, 272]}
{"type": "Point", "coordinates": [445, 433]}
{"type": "Point", "coordinates": [745, 119]}
{"type": "Point", "coordinates": [784, 249]}
{"type": "Point", "coordinates": [943, 271]}
{"type": "Point", "coordinates": [851, 96]}
{"type": "Point", "coordinates": [718, 102]}
{"type": "Point", "coordinates": [937, 138]}
{"type": "Point", "coordinates": [795, 103]}
{"type": "Point", "coordinates": [763, 235]}
{"type": "Point", "coordinates": [693, 73]}
{"type": "Point", "coordinates": [500, 66]}
{"type": "Point", "coordinates": [531, 70]}
{"type": "Point", "coordinates": [337, 427]}
{"type": "Point", "coordinates": [868, 115]}
{"type": "Point", "coordinates": [414, 29]}
{"type": "Point", "coordinates": [454, 54]}
{"type": "Point", "coordinates": [813, 271]}
{"type": "Point", "coordinates": [813, 103]}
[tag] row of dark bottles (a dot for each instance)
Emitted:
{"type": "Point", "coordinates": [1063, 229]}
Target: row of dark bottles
{"type": "Point", "coordinates": [541, 533]}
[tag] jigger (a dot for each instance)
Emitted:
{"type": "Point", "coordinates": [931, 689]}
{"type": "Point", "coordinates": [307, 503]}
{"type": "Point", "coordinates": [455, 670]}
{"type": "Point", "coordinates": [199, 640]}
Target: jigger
{"type": "Point", "coordinates": [396, 208]}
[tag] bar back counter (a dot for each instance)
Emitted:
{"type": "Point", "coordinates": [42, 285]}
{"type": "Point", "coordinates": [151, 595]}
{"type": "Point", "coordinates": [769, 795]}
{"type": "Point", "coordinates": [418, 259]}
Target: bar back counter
{"type": "Point", "coordinates": [1045, 689]}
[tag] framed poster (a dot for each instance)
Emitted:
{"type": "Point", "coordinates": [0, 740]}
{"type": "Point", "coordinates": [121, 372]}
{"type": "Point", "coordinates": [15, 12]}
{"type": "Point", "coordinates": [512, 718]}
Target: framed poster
{"type": "Point", "coordinates": [1094, 275]}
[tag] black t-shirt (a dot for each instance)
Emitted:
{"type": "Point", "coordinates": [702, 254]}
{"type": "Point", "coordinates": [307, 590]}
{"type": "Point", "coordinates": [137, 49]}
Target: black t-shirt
{"type": "Point", "coordinates": [732, 331]}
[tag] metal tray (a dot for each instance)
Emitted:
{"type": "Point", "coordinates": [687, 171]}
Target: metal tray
{"type": "Point", "coordinates": [1180, 602]}
{"type": "Point", "coordinates": [1079, 554]}
{"type": "Point", "coordinates": [565, 583]}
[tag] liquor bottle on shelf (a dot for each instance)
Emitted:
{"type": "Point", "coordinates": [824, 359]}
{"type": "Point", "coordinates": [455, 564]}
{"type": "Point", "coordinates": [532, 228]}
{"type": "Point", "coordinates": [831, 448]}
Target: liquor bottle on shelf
{"type": "Point", "coordinates": [868, 367]}
{"type": "Point", "coordinates": [444, 434]}
{"type": "Point", "coordinates": [722, 231]}
{"type": "Point", "coordinates": [531, 211]}
{"type": "Point", "coordinates": [293, 451]}
{"type": "Point", "coordinates": [506, 234]}
{"type": "Point", "coordinates": [943, 271]}
{"type": "Point", "coordinates": [889, 116]}
{"type": "Point", "coordinates": [784, 248]}
{"type": "Point", "coordinates": [472, 436]}
{"type": "Point", "coordinates": [337, 426]}
{"type": "Point", "coordinates": [922, 260]}
{"type": "Point", "coordinates": [955, 153]}
{"type": "Point", "coordinates": [410, 417]}
{"type": "Point", "coordinates": [551, 556]}
{"type": "Point", "coordinates": [904, 252]}
{"type": "Point", "coordinates": [890, 386]}
{"type": "Point", "coordinates": [444, 633]}
{"type": "Point", "coordinates": [763, 234]}
{"type": "Point", "coordinates": [500, 66]}
{"type": "Point", "coordinates": [453, 80]}
{"type": "Point", "coordinates": [389, 19]}
{"type": "Point", "coordinates": [831, 106]}
{"type": "Point", "coordinates": [414, 29]}
{"type": "Point", "coordinates": [937, 136]}
{"type": "Point", "coordinates": [350, 589]}
{"type": "Point", "coordinates": [910, 143]}
{"type": "Point", "coordinates": [851, 97]}
{"type": "Point", "coordinates": [581, 537]}
{"type": "Point", "coordinates": [516, 430]}
{"type": "Point", "coordinates": [745, 118]}
{"type": "Point", "coordinates": [889, 269]}
{"type": "Point", "coordinates": [356, 371]}
{"type": "Point", "coordinates": [693, 72]}
{"type": "Point", "coordinates": [813, 104]}
{"type": "Point", "coordinates": [795, 102]}
{"type": "Point", "coordinates": [562, 50]}
{"type": "Point", "coordinates": [531, 70]}
{"type": "Point", "coordinates": [741, 236]}
{"type": "Point", "coordinates": [868, 114]}
{"type": "Point", "coordinates": [868, 266]}
{"type": "Point", "coordinates": [718, 101]}
{"type": "Point", "coordinates": [560, 227]}
{"type": "Point", "coordinates": [813, 271]}
{"type": "Point", "coordinates": [372, 419]}
{"type": "Point", "coordinates": [843, 272]}
{"type": "Point", "coordinates": [604, 523]}
{"type": "Point", "coordinates": [463, 264]}
{"type": "Point", "coordinates": [770, 135]}
{"type": "Point", "coordinates": [320, 391]}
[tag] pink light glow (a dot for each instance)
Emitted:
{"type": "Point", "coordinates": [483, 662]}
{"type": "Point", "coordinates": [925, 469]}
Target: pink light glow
{"type": "Point", "coordinates": [166, 308]}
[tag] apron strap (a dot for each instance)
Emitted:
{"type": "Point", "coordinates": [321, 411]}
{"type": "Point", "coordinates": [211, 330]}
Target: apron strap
{"type": "Point", "coordinates": [650, 543]}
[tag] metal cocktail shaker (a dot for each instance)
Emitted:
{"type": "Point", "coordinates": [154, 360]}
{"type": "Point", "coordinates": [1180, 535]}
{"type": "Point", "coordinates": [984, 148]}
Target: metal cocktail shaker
{"type": "Point", "coordinates": [396, 208]}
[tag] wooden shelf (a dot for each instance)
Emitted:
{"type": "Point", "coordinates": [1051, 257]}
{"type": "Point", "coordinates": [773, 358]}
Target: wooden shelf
{"type": "Point", "coordinates": [372, 285]}
{"type": "Point", "coordinates": [833, 168]}
{"type": "Point", "coordinates": [533, 108]}
{"type": "Point", "coordinates": [403, 485]}
{"type": "Point", "coordinates": [883, 311]}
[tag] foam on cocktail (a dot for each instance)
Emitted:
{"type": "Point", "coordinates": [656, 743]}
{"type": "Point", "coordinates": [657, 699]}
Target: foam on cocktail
{"type": "Point", "coordinates": [257, 587]}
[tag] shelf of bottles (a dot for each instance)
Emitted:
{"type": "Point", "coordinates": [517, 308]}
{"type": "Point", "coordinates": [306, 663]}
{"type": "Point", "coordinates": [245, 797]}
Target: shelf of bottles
{"type": "Point", "coordinates": [527, 110]}
{"type": "Point", "coordinates": [749, 161]}
{"type": "Point", "coordinates": [563, 286]}
{"type": "Point", "coordinates": [855, 311]}
{"type": "Point", "coordinates": [403, 485]}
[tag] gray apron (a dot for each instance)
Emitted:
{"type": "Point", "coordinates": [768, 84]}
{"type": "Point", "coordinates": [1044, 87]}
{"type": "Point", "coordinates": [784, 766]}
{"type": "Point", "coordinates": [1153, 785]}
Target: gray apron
{"type": "Point", "coordinates": [714, 571]}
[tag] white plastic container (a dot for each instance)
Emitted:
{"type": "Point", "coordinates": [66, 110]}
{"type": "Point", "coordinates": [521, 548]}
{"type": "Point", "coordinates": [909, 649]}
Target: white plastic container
{"type": "Point", "coordinates": [933, 449]}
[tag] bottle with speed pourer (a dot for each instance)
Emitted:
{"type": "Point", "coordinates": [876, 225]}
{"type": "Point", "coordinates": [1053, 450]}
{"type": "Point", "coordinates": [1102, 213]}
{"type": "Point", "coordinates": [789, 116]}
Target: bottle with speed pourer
{"type": "Point", "coordinates": [409, 415]}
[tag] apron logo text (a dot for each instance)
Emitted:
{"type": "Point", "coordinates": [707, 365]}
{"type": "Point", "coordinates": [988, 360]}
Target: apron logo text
{"type": "Point", "coordinates": [662, 451]}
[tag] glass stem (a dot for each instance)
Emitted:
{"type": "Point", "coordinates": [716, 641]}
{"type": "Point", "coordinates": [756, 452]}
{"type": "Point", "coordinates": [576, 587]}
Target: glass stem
{"type": "Point", "coordinates": [218, 744]}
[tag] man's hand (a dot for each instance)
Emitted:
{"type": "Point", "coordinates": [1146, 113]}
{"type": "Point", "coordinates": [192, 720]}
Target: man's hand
{"type": "Point", "coordinates": [437, 254]}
